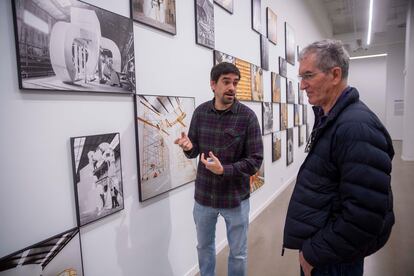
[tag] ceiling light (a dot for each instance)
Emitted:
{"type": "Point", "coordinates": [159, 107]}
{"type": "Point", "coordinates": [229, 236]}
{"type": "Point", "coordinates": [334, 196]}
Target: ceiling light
{"type": "Point", "coordinates": [369, 56]}
{"type": "Point", "coordinates": [371, 3]}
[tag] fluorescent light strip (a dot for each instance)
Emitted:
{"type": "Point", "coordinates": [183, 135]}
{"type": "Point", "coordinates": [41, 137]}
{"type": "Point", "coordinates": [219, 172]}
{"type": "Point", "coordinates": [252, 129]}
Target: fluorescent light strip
{"type": "Point", "coordinates": [369, 56]}
{"type": "Point", "coordinates": [371, 4]}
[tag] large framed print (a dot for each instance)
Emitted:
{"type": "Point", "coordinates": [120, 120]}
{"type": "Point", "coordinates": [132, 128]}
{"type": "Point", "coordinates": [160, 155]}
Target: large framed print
{"type": "Point", "coordinates": [160, 120]}
{"type": "Point", "coordinates": [276, 88]}
{"type": "Point", "coordinates": [276, 146]}
{"type": "Point", "coordinates": [257, 15]}
{"type": "Point", "coordinates": [290, 44]}
{"type": "Point", "coordinates": [204, 23]}
{"type": "Point", "coordinates": [289, 146]}
{"type": "Point", "coordinates": [227, 5]}
{"type": "Point", "coordinates": [58, 255]}
{"type": "Point", "coordinates": [267, 118]}
{"type": "Point", "coordinates": [73, 46]}
{"type": "Point", "coordinates": [158, 14]}
{"type": "Point", "coordinates": [264, 53]}
{"type": "Point", "coordinates": [271, 25]}
{"type": "Point", "coordinates": [97, 173]}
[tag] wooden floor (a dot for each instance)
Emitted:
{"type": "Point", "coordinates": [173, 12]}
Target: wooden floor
{"type": "Point", "coordinates": [396, 258]}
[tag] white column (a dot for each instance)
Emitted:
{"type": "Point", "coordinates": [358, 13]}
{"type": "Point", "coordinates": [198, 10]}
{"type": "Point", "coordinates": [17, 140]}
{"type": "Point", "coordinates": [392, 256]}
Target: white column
{"type": "Point", "coordinates": [408, 129]}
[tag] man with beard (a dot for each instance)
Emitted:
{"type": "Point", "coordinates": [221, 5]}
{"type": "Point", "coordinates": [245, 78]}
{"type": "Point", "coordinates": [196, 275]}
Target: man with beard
{"type": "Point", "coordinates": [227, 135]}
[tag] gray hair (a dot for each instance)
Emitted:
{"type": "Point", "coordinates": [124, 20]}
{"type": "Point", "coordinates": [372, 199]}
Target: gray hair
{"type": "Point", "coordinates": [329, 53]}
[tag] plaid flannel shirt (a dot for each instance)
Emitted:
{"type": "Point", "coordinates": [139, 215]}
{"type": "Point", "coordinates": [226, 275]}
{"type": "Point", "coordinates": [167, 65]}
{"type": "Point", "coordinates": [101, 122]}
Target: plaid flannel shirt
{"type": "Point", "coordinates": [234, 136]}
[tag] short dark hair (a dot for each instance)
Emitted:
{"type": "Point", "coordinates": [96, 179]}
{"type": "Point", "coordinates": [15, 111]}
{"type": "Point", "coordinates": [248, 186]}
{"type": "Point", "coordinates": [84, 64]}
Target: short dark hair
{"type": "Point", "coordinates": [329, 53]}
{"type": "Point", "coordinates": [223, 68]}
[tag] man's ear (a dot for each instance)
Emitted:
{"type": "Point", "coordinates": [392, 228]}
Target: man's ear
{"type": "Point", "coordinates": [213, 85]}
{"type": "Point", "coordinates": [337, 74]}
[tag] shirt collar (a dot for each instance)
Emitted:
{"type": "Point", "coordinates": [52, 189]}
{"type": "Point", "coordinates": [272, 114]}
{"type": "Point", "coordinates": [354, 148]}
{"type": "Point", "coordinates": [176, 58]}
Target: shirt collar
{"type": "Point", "coordinates": [233, 108]}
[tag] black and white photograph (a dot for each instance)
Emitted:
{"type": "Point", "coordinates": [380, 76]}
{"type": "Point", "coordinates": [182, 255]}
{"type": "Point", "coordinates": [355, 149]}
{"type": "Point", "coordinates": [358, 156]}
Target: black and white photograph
{"type": "Point", "coordinates": [257, 83]}
{"type": "Point", "coordinates": [305, 114]}
{"type": "Point", "coordinates": [283, 116]}
{"type": "Point", "coordinates": [59, 255]}
{"type": "Point", "coordinates": [222, 57]}
{"type": "Point", "coordinates": [301, 134]}
{"type": "Point", "coordinates": [227, 5]}
{"type": "Point", "coordinates": [276, 146]}
{"type": "Point", "coordinates": [204, 23]}
{"type": "Point", "coordinates": [157, 14]}
{"type": "Point", "coordinates": [160, 120]}
{"type": "Point", "coordinates": [257, 15]}
{"type": "Point", "coordinates": [289, 146]}
{"type": "Point", "coordinates": [276, 88]}
{"type": "Point", "coordinates": [73, 46]}
{"type": "Point", "coordinates": [264, 53]}
{"type": "Point", "coordinates": [97, 173]}
{"type": "Point", "coordinates": [271, 25]}
{"type": "Point", "coordinates": [308, 131]}
{"type": "Point", "coordinates": [300, 94]}
{"type": "Point", "coordinates": [290, 44]}
{"type": "Point", "coordinates": [282, 67]}
{"type": "Point", "coordinates": [296, 120]}
{"type": "Point", "coordinates": [267, 118]}
{"type": "Point", "coordinates": [290, 91]}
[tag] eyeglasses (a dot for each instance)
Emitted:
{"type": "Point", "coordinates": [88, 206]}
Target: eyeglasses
{"type": "Point", "coordinates": [307, 76]}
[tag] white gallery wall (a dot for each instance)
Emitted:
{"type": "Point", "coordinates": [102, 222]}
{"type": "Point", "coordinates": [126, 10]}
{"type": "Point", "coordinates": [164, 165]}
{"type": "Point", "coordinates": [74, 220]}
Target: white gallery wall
{"type": "Point", "coordinates": [156, 237]}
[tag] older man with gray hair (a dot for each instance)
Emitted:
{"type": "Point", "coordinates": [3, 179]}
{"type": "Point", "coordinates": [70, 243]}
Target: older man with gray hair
{"type": "Point", "coordinates": [341, 209]}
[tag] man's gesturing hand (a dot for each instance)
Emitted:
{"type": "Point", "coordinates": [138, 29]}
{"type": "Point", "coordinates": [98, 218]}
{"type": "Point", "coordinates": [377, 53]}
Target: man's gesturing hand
{"type": "Point", "coordinates": [212, 163]}
{"type": "Point", "coordinates": [184, 142]}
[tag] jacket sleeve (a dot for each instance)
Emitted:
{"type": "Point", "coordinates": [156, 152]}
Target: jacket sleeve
{"type": "Point", "coordinates": [192, 135]}
{"type": "Point", "coordinates": [362, 154]}
{"type": "Point", "coordinates": [254, 152]}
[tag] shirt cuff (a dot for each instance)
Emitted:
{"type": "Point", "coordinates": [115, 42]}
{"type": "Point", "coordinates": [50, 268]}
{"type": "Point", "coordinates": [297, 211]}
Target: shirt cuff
{"type": "Point", "coordinates": [227, 170]}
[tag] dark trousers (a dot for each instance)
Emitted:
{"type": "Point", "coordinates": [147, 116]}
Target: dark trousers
{"type": "Point", "coordinates": [350, 269]}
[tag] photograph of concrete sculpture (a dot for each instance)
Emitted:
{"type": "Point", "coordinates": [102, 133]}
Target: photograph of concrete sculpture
{"type": "Point", "coordinates": [276, 87]}
{"type": "Point", "coordinates": [257, 15]}
{"type": "Point", "coordinates": [301, 134]}
{"type": "Point", "coordinates": [271, 26]}
{"type": "Point", "coordinates": [222, 57]}
{"type": "Point", "coordinates": [289, 146]}
{"type": "Point", "coordinates": [264, 53]}
{"type": "Point", "coordinates": [290, 44]}
{"type": "Point", "coordinates": [257, 180]}
{"type": "Point", "coordinates": [162, 165]}
{"type": "Point", "coordinates": [257, 83]}
{"type": "Point", "coordinates": [276, 146]}
{"type": "Point", "coordinates": [282, 67]}
{"type": "Point", "coordinates": [225, 4]}
{"type": "Point", "coordinates": [283, 116]}
{"type": "Point", "coordinates": [73, 46]}
{"type": "Point", "coordinates": [267, 118]}
{"type": "Point", "coordinates": [59, 255]}
{"type": "Point", "coordinates": [296, 115]}
{"type": "Point", "coordinates": [204, 17]}
{"type": "Point", "coordinates": [159, 14]}
{"type": "Point", "coordinates": [97, 173]}
{"type": "Point", "coordinates": [290, 91]}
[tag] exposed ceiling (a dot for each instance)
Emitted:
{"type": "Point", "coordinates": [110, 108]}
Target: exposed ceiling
{"type": "Point", "coordinates": [350, 22]}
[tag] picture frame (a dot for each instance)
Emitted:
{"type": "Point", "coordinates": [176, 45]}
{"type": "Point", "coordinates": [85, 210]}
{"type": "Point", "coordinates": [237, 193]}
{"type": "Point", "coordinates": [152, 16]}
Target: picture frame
{"type": "Point", "coordinates": [73, 46]}
{"type": "Point", "coordinates": [97, 174]}
{"type": "Point", "coordinates": [283, 116]}
{"type": "Point", "coordinates": [301, 135]}
{"type": "Point", "coordinates": [258, 179]}
{"type": "Point", "coordinates": [160, 15]}
{"type": "Point", "coordinates": [305, 114]}
{"type": "Point", "coordinates": [289, 146]}
{"type": "Point", "coordinates": [290, 44]}
{"type": "Point", "coordinates": [267, 118]}
{"type": "Point", "coordinates": [204, 23]}
{"type": "Point", "coordinates": [271, 25]}
{"type": "Point", "coordinates": [300, 94]}
{"type": "Point", "coordinates": [282, 67]}
{"type": "Point", "coordinates": [264, 53]}
{"type": "Point", "coordinates": [219, 57]}
{"type": "Point", "coordinates": [56, 255]}
{"type": "Point", "coordinates": [276, 146]}
{"type": "Point", "coordinates": [296, 121]}
{"type": "Point", "coordinates": [290, 91]}
{"type": "Point", "coordinates": [276, 87]}
{"type": "Point", "coordinates": [162, 165]}
{"type": "Point", "coordinates": [257, 15]}
{"type": "Point", "coordinates": [227, 5]}
{"type": "Point", "coordinates": [257, 83]}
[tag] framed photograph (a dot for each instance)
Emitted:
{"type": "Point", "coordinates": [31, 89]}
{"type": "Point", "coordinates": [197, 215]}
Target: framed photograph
{"type": "Point", "coordinates": [305, 114]}
{"type": "Point", "coordinates": [290, 91]}
{"type": "Point", "coordinates": [264, 53]}
{"type": "Point", "coordinates": [271, 25]}
{"type": "Point", "coordinates": [204, 23]}
{"type": "Point", "coordinates": [289, 146]}
{"type": "Point", "coordinates": [282, 67]}
{"type": "Point", "coordinates": [97, 173]}
{"type": "Point", "coordinates": [267, 118]}
{"type": "Point", "coordinates": [301, 134]}
{"type": "Point", "coordinates": [308, 131]}
{"type": "Point", "coordinates": [257, 15]}
{"type": "Point", "coordinates": [73, 46]}
{"type": "Point", "coordinates": [158, 14]}
{"type": "Point", "coordinates": [296, 121]}
{"type": "Point", "coordinates": [244, 88]}
{"type": "Point", "coordinates": [283, 116]}
{"type": "Point", "coordinates": [222, 57]}
{"type": "Point", "coordinates": [290, 44]}
{"type": "Point", "coordinates": [276, 88]}
{"type": "Point", "coordinates": [297, 52]}
{"type": "Point", "coordinates": [227, 5]}
{"type": "Point", "coordinates": [257, 180]}
{"type": "Point", "coordinates": [276, 146]}
{"type": "Point", "coordinates": [257, 83]}
{"type": "Point", "coordinates": [58, 255]}
{"type": "Point", "coordinates": [300, 95]}
{"type": "Point", "coordinates": [162, 164]}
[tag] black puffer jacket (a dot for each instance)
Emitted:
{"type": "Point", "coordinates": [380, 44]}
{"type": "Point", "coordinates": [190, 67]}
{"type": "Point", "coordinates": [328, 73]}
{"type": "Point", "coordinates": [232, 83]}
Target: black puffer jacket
{"type": "Point", "coordinates": [341, 208]}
